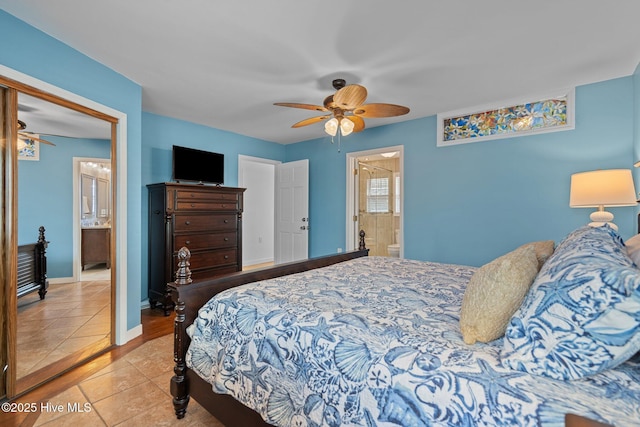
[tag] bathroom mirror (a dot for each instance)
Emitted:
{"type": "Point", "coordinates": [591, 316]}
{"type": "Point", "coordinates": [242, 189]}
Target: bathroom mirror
{"type": "Point", "coordinates": [95, 193]}
{"type": "Point", "coordinates": [102, 197]}
{"type": "Point", "coordinates": [88, 191]}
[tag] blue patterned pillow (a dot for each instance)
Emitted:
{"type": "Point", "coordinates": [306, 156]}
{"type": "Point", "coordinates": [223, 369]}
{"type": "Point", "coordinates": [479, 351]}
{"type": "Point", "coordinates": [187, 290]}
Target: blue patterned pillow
{"type": "Point", "coordinates": [582, 313]}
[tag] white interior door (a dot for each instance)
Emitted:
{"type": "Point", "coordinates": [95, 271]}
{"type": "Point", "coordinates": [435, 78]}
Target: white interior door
{"type": "Point", "coordinates": [292, 211]}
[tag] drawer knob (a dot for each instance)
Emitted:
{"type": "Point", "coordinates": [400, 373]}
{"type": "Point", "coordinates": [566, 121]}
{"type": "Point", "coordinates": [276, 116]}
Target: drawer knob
{"type": "Point", "coordinates": [193, 205]}
{"type": "Point", "coordinates": [226, 257]}
{"type": "Point", "coordinates": [188, 242]}
{"type": "Point", "coordinates": [226, 221]}
{"type": "Point", "coordinates": [226, 239]}
{"type": "Point", "coordinates": [187, 222]}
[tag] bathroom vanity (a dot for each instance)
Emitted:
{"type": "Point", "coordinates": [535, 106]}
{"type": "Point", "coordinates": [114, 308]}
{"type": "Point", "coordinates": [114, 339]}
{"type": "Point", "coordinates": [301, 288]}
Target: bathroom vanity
{"type": "Point", "coordinates": [96, 246]}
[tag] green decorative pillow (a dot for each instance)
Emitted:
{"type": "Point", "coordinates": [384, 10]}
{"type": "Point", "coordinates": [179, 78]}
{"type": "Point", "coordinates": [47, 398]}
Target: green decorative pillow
{"type": "Point", "coordinates": [495, 292]}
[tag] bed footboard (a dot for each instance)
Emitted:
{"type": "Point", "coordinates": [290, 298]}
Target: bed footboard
{"type": "Point", "coordinates": [189, 296]}
{"type": "Point", "coordinates": [32, 267]}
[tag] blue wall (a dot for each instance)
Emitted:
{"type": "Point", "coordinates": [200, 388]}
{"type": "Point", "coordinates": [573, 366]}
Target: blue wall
{"type": "Point", "coordinates": [45, 197]}
{"type": "Point", "coordinates": [32, 52]}
{"type": "Point", "coordinates": [160, 133]}
{"type": "Point", "coordinates": [636, 125]}
{"type": "Point", "coordinates": [465, 204]}
{"type": "Point", "coordinates": [470, 203]}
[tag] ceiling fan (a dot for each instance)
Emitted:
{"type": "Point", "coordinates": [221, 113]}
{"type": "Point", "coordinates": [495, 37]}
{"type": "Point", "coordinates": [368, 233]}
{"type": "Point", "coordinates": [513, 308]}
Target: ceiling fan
{"type": "Point", "coordinates": [26, 136]}
{"type": "Point", "coordinates": [346, 109]}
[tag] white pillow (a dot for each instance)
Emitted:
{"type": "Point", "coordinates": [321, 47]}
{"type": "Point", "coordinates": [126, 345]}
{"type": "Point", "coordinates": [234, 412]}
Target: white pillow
{"type": "Point", "coordinates": [633, 249]}
{"type": "Point", "coordinates": [580, 316]}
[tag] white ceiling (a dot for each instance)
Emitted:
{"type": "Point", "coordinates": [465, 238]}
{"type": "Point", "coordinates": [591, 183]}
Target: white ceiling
{"type": "Point", "coordinates": [45, 118]}
{"type": "Point", "coordinates": [224, 64]}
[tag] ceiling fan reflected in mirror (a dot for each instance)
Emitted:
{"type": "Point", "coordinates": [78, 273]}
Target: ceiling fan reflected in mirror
{"type": "Point", "coordinates": [346, 109]}
{"type": "Point", "coordinates": [26, 136]}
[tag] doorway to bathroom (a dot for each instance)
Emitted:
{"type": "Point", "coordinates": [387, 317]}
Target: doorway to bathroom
{"type": "Point", "coordinates": [92, 218]}
{"type": "Point", "coordinates": [374, 200]}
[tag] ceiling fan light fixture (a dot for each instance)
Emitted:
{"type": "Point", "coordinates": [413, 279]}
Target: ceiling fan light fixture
{"type": "Point", "coordinates": [346, 126]}
{"type": "Point", "coordinates": [331, 126]}
{"type": "Point", "coordinates": [346, 110]}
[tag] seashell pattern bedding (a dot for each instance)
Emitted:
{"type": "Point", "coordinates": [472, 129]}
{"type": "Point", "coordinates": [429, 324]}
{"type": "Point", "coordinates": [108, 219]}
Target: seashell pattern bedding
{"type": "Point", "coordinates": [376, 342]}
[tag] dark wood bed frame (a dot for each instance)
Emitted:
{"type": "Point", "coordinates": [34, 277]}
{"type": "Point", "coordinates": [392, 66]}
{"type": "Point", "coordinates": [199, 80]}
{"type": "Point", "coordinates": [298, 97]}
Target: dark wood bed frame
{"type": "Point", "coordinates": [188, 297]}
{"type": "Point", "coordinates": [32, 267]}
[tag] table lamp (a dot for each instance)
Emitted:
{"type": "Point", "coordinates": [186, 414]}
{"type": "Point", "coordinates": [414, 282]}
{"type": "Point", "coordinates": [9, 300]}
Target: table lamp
{"type": "Point", "coordinates": [600, 189]}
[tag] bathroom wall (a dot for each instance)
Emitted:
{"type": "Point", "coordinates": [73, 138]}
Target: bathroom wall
{"type": "Point", "coordinates": [379, 226]}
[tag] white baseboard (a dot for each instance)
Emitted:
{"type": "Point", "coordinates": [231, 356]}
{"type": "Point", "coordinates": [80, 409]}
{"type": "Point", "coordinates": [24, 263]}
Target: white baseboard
{"type": "Point", "coordinates": [144, 304]}
{"type": "Point", "coordinates": [60, 280]}
{"type": "Point", "coordinates": [256, 261]}
{"type": "Point", "coordinates": [134, 332]}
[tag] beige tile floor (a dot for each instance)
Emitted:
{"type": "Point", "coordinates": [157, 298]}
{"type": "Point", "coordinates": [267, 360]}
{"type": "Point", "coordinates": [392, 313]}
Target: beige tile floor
{"type": "Point", "coordinates": [70, 318]}
{"type": "Point", "coordinates": [133, 391]}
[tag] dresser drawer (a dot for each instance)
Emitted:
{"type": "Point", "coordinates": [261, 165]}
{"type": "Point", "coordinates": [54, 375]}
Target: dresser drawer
{"type": "Point", "coordinates": [205, 205]}
{"type": "Point", "coordinates": [205, 200]}
{"type": "Point", "coordinates": [184, 195]}
{"type": "Point", "coordinates": [205, 241]}
{"type": "Point", "coordinates": [206, 259]}
{"type": "Point", "coordinates": [206, 195]}
{"type": "Point", "coordinates": [192, 222]}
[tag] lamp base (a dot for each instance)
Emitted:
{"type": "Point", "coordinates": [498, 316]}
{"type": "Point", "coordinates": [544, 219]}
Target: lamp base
{"type": "Point", "coordinates": [600, 224]}
{"type": "Point", "coordinates": [602, 217]}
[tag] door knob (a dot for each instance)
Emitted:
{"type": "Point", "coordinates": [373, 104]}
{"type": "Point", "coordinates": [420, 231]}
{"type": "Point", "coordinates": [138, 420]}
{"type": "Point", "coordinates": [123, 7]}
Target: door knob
{"type": "Point", "coordinates": [302, 227]}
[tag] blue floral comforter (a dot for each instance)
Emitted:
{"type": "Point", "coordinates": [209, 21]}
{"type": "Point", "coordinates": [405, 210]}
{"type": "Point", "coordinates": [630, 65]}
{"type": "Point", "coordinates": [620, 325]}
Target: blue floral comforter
{"type": "Point", "coordinates": [376, 342]}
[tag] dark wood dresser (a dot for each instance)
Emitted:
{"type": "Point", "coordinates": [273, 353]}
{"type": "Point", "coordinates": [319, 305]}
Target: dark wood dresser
{"type": "Point", "coordinates": [206, 219]}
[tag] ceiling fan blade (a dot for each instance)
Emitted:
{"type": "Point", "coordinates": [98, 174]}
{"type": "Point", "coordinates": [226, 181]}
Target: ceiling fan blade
{"type": "Point", "coordinates": [310, 121]}
{"type": "Point", "coordinates": [350, 97]}
{"type": "Point", "coordinates": [304, 106]}
{"type": "Point", "coordinates": [25, 136]}
{"type": "Point", "coordinates": [358, 123]}
{"type": "Point", "coordinates": [380, 110]}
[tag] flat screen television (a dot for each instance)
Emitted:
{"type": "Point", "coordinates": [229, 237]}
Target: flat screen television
{"type": "Point", "coordinates": [199, 166]}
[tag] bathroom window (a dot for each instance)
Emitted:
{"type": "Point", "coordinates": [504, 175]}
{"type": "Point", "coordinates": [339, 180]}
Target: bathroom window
{"type": "Point", "coordinates": [378, 195]}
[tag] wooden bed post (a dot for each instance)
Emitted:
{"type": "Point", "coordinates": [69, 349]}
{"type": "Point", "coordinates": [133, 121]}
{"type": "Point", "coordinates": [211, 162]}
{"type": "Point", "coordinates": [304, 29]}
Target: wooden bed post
{"type": "Point", "coordinates": [179, 385]}
{"type": "Point", "coordinates": [41, 263]}
{"type": "Point", "coordinates": [361, 245]}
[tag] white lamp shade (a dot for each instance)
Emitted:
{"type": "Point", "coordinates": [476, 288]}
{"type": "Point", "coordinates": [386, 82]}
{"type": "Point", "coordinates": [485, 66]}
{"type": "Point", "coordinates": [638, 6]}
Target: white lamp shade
{"type": "Point", "coordinates": [610, 187]}
{"type": "Point", "coordinates": [331, 126]}
{"type": "Point", "coordinates": [346, 126]}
